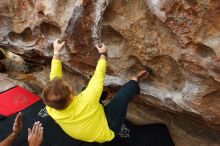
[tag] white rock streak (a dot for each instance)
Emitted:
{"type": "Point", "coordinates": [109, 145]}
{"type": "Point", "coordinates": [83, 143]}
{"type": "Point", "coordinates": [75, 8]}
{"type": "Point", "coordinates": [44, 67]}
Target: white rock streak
{"type": "Point", "coordinates": [100, 7]}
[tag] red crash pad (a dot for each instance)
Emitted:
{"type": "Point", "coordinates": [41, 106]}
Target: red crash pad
{"type": "Point", "coordinates": [15, 100]}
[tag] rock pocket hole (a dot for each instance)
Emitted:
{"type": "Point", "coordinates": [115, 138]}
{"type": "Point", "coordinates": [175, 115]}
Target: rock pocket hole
{"type": "Point", "coordinates": [204, 51]}
{"type": "Point", "coordinates": [51, 32]}
{"type": "Point", "coordinates": [167, 73]}
{"type": "Point", "coordinates": [114, 40]}
{"type": "Point", "coordinates": [26, 36]}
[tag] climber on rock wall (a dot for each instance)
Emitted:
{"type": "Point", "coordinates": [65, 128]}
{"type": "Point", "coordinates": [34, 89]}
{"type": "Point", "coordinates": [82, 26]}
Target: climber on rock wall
{"type": "Point", "coordinates": [35, 135]}
{"type": "Point", "coordinates": [81, 115]}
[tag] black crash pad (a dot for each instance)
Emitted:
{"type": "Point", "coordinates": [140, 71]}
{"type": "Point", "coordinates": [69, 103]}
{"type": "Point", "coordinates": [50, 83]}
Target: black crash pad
{"type": "Point", "coordinates": [131, 135]}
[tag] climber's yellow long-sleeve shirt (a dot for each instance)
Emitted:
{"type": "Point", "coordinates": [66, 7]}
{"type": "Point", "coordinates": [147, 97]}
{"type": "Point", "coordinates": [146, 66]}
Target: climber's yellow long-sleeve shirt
{"type": "Point", "coordinates": [84, 118]}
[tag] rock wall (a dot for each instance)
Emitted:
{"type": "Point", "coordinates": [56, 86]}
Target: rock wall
{"type": "Point", "coordinates": [179, 39]}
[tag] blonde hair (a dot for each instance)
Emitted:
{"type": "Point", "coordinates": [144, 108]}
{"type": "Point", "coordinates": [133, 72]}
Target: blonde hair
{"type": "Point", "coordinates": [59, 90]}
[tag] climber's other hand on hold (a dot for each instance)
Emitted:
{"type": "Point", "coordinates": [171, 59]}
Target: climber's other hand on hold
{"type": "Point", "coordinates": [101, 48]}
{"type": "Point", "coordinates": [58, 45]}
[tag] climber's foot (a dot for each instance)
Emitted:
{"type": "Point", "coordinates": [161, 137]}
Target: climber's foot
{"type": "Point", "coordinates": [144, 74]}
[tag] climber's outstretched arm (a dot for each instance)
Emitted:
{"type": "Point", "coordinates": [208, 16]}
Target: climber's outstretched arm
{"type": "Point", "coordinates": [56, 65]}
{"type": "Point", "coordinates": [94, 89]}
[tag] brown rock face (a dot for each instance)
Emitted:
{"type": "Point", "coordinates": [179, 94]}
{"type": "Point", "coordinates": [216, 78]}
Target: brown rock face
{"type": "Point", "coordinates": [179, 39]}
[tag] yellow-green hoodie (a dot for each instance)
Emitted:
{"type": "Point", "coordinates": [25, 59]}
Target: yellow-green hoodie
{"type": "Point", "coordinates": [84, 118]}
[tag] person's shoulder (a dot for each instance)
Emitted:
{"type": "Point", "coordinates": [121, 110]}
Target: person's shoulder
{"type": "Point", "coordinates": [49, 109]}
